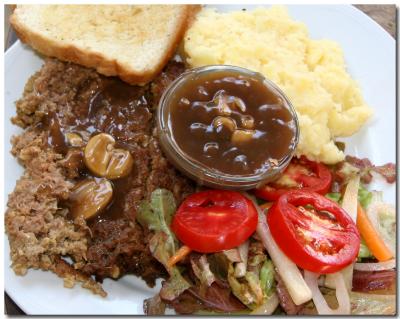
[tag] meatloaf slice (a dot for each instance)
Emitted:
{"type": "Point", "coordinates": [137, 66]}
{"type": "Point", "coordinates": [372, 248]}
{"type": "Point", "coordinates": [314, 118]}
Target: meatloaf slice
{"type": "Point", "coordinates": [64, 97]}
{"type": "Point", "coordinates": [37, 229]}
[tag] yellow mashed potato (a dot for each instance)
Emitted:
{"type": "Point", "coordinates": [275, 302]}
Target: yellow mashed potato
{"type": "Point", "coordinates": [312, 73]}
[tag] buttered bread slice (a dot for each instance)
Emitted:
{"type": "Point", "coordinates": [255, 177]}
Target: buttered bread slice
{"type": "Point", "coordinates": [130, 41]}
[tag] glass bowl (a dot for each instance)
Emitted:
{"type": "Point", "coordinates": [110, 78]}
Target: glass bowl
{"type": "Point", "coordinates": [196, 170]}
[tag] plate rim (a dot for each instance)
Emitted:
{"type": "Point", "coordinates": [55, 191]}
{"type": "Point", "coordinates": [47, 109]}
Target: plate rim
{"type": "Point", "coordinates": [353, 11]}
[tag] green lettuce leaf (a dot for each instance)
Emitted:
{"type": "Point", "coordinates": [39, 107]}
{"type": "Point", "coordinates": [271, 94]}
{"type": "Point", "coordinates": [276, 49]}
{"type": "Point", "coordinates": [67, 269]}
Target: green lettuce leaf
{"type": "Point", "coordinates": [334, 196]}
{"type": "Point", "coordinates": [364, 252]}
{"type": "Point", "coordinates": [157, 215]}
{"type": "Point", "coordinates": [219, 265]}
{"type": "Point", "coordinates": [201, 269]}
{"type": "Point", "coordinates": [154, 306]}
{"type": "Point", "coordinates": [258, 283]}
{"type": "Point", "coordinates": [364, 196]}
{"type": "Point", "coordinates": [242, 289]}
{"type": "Point", "coordinates": [267, 278]}
{"type": "Point", "coordinates": [174, 286]}
{"type": "Point", "coordinates": [162, 248]}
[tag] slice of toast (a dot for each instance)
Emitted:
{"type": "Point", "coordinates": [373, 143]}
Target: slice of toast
{"type": "Point", "coordinates": [130, 41]}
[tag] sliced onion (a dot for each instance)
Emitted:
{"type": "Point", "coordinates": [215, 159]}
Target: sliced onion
{"type": "Point", "coordinates": [286, 268]}
{"type": "Point", "coordinates": [241, 267]}
{"type": "Point", "coordinates": [350, 198]}
{"type": "Point", "coordinates": [384, 265]}
{"type": "Point", "coordinates": [233, 255]}
{"type": "Point", "coordinates": [349, 204]}
{"type": "Point", "coordinates": [383, 281]}
{"type": "Point", "coordinates": [342, 295]}
{"type": "Point", "coordinates": [268, 307]}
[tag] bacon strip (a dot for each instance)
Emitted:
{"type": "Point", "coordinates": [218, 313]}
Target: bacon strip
{"type": "Point", "coordinates": [365, 167]}
{"type": "Point", "coordinates": [372, 281]}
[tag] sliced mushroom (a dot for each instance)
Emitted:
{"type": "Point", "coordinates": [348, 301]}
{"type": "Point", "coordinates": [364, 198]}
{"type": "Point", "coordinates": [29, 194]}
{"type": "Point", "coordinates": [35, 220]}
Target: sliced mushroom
{"type": "Point", "coordinates": [120, 164]}
{"type": "Point", "coordinates": [103, 159]}
{"type": "Point", "coordinates": [240, 104]}
{"type": "Point", "coordinates": [74, 139]}
{"type": "Point", "coordinates": [242, 136]}
{"type": "Point", "coordinates": [184, 101]}
{"type": "Point", "coordinates": [90, 197]}
{"type": "Point", "coordinates": [220, 99]}
{"type": "Point", "coordinates": [247, 122]}
{"type": "Point", "coordinates": [227, 122]}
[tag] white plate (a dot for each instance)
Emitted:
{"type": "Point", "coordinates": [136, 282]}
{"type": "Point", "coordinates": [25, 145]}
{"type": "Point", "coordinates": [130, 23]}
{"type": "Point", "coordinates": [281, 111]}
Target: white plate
{"type": "Point", "coordinates": [370, 56]}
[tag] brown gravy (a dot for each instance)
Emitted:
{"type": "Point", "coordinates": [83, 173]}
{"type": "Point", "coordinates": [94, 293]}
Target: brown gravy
{"type": "Point", "coordinates": [231, 122]}
{"type": "Point", "coordinates": [116, 108]}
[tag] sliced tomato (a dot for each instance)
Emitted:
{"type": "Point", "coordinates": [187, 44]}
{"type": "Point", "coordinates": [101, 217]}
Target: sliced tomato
{"type": "Point", "coordinates": [301, 173]}
{"type": "Point", "coordinates": [215, 220]}
{"type": "Point", "coordinates": [313, 231]}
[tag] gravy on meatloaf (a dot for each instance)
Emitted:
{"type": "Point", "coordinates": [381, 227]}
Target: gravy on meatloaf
{"type": "Point", "coordinates": [64, 99]}
{"type": "Point", "coordinates": [122, 111]}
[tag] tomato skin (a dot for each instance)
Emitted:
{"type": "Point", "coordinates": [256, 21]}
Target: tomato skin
{"type": "Point", "coordinates": [321, 183]}
{"type": "Point", "coordinates": [288, 224]}
{"type": "Point", "coordinates": [215, 220]}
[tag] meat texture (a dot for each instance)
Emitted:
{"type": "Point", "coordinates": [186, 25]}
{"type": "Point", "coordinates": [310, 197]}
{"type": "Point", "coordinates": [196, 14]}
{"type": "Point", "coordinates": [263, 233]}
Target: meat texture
{"type": "Point", "coordinates": [64, 97]}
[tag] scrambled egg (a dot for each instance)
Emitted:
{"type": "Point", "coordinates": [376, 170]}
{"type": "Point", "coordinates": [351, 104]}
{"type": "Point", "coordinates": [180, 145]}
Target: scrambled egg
{"type": "Point", "coordinates": [312, 73]}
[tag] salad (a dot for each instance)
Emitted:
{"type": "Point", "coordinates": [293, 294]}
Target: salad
{"type": "Point", "coordinates": [316, 241]}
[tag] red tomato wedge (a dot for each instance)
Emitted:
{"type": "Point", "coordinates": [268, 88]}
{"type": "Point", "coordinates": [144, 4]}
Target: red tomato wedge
{"type": "Point", "coordinates": [313, 231]}
{"type": "Point", "coordinates": [215, 220]}
{"type": "Point", "coordinates": [301, 173]}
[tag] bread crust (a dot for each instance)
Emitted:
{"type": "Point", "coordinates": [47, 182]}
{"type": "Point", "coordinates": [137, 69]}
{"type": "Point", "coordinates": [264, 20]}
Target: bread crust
{"type": "Point", "coordinates": [102, 64]}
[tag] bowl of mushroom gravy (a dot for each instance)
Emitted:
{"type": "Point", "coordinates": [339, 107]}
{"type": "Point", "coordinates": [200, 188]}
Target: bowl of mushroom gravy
{"type": "Point", "coordinates": [227, 127]}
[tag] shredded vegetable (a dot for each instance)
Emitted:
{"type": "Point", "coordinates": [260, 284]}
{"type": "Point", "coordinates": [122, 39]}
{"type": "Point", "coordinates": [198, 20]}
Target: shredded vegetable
{"type": "Point", "coordinates": [361, 303]}
{"type": "Point", "coordinates": [364, 196]}
{"type": "Point", "coordinates": [384, 265]}
{"type": "Point", "coordinates": [372, 304]}
{"type": "Point", "coordinates": [268, 307]}
{"type": "Point", "coordinates": [247, 290]}
{"type": "Point", "coordinates": [342, 295]}
{"type": "Point", "coordinates": [156, 215]}
{"type": "Point", "coordinates": [240, 267]}
{"type": "Point", "coordinates": [383, 218]}
{"type": "Point", "coordinates": [364, 251]}
{"type": "Point", "coordinates": [266, 205]}
{"type": "Point", "coordinates": [232, 254]}
{"type": "Point", "coordinates": [267, 277]}
{"type": "Point", "coordinates": [202, 271]}
{"type": "Point", "coordinates": [350, 197]}
{"type": "Point", "coordinates": [179, 255]}
{"type": "Point", "coordinates": [372, 238]}
{"type": "Point", "coordinates": [349, 204]}
{"type": "Point", "coordinates": [334, 196]}
{"type": "Point", "coordinates": [291, 275]}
